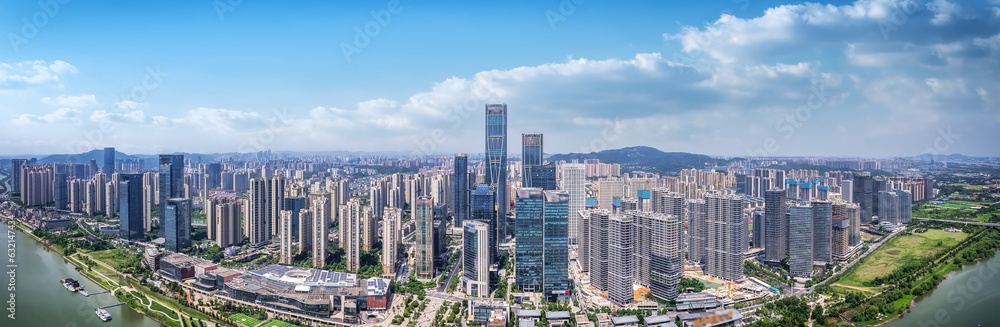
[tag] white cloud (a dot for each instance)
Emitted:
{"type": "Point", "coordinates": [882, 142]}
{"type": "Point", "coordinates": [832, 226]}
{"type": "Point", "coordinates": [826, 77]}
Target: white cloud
{"type": "Point", "coordinates": [983, 94]}
{"type": "Point", "coordinates": [83, 100]}
{"type": "Point", "coordinates": [943, 10]}
{"type": "Point", "coordinates": [61, 115]}
{"type": "Point", "coordinates": [130, 117]}
{"type": "Point", "coordinates": [130, 105]}
{"type": "Point", "coordinates": [26, 73]}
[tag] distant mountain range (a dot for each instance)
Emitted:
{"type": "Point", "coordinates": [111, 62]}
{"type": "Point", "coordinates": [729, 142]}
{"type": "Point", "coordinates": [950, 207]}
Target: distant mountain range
{"type": "Point", "coordinates": [644, 158]}
{"type": "Point", "coordinates": [150, 160]}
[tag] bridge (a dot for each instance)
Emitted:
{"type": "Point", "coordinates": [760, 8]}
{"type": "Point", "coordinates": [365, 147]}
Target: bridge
{"type": "Point", "coordinates": [960, 222]}
{"type": "Point", "coordinates": [112, 305]}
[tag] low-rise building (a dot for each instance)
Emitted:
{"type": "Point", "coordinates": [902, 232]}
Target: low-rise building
{"type": "Point", "coordinates": [557, 318]}
{"type": "Point", "coordinates": [625, 321]}
{"type": "Point", "coordinates": [659, 321]}
{"type": "Point", "coordinates": [728, 317]}
{"type": "Point", "coordinates": [696, 301]}
{"type": "Point", "coordinates": [480, 310]}
{"type": "Point", "coordinates": [178, 267]}
{"type": "Point", "coordinates": [151, 258]}
{"type": "Point", "coordinates": [529, 315]}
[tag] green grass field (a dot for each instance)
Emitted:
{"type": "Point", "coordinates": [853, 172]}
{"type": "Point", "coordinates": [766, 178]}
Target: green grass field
{"type": "Point", "coordinates": [277, 323]}
{"type": "Point", "coordinates": [244, 320]}
{"type": "Point", "coordinates": [899, 251]}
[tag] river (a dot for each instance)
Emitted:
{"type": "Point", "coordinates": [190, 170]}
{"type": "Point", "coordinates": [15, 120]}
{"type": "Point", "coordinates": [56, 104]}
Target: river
{"type": "Point", "coordinates": [40, 300]}
{"type": "Point", "coordinates": [968, 297]}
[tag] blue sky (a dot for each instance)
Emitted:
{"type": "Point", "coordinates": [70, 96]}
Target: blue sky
{"type": "Point", "coordinates": [725, 78]}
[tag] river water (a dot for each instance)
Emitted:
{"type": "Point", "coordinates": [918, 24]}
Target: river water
{"type": "Point", "coordinates": [40, 300]}
{"type": "Point", "coordinates": [968, 297]}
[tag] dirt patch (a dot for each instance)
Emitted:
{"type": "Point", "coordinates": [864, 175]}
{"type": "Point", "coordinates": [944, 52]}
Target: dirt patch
{"type": "Point", "coordinates": [893, 252]}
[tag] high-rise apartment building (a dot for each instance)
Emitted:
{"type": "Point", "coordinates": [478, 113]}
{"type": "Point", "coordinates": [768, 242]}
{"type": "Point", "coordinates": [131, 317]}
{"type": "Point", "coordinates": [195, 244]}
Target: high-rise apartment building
{"type": "Point", "coordinates": [698, 249]}
{"type": "Point", "coordinates": [599, 248]}
{"type": "Point", "coordinates": [658, 252]}
{"type": "Point", "coordinates": [353, 216]}
{"type": "Point", "coordinates": [226, 216]}
{"type": "Point", "coordinates": [305, 231]}
{"type": "Point", "coordinates": [322, 213]}
{"type": "Point", "coordinates": [727, 237]}
{"type": "Point", "coordinates": [621, 261]}
{"type": "Point", "coordinates": [607, 190]}
{"type": "Point", "coordinates": [285, 236]}
{"type": "Point", "coordinates": [391, 236]}
{"type": "Point", "coordinates": [583, 247]}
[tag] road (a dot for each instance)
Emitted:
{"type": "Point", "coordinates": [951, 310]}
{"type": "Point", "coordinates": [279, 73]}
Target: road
{"type": "Point", "coordinates": [443, 288]}
{"type": "Point", "coordinates": [960, 222]}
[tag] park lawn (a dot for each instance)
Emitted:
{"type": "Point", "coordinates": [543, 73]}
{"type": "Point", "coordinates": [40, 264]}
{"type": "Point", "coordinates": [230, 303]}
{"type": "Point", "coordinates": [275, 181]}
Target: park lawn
{"type": "Point", "coordinates": [244, 320]}
{"type": "Point", "coordinates": [868, 291]}
{"type": "Point", "coordinates": [159, 307]}
{"type": "Point", "coordinates": [899, 251]}
{"type": "Point", "coordinates": [277, 323]}
{"type": "Point", "coordinates": [171, 302]}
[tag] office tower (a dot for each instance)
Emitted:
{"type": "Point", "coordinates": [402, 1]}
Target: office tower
{"type": "Point", "coordinates": [59, 191]}
{"type": "Point", "coordinates": [529, 250]}
{"type": "Point", "coordinates": [109, 161]}
{"type": "Point", "coordinates": [758, 229]}
{"type": "Point", "coordinates": [131, 226]}
{"type": "Point", "coordinates": [93, 168]}
{"type": "Point", "coordinates": [847, 190]}
{"type": "Point", "coordinates": [543, 176]}
{"type": "Point", "coordinates": [496, 162]}
{"type": "Point", "coordinates": [320, 229]}
{"type": "Point", "coordinates": [149, 181]}
{"type": "Point", "coordinates": [607, 190]}
{"type": "Point", "coordinates": [658, 252]}
{"type": "Point", "coordinates": [698, 249]}
{"type": "Point", "coordinates": [574, 182]}
{"type": "Point", "coordinates": [555, 281]}
{"type": "Point", "coordinates": [532, 155]}
{"type": "Point", "coordinates": [294, 204]}
{"type": "Point", "coordinates": [800, 238]}
{"type": "Point", "coordinates": [727, 238]}
{"type": "Point", "coordinates": [599, 248]}
{"type": "Point", "coordinates": [621, 261]}
{"type": "Point", "coordinates": [285, 236]}
{"type": "Point", "coordinates": [305, 229]}
{"type": "Point", "coordinates": [864, 195]}
{"type": "Point", "coordinates": [583, 248]}
{"type": "Point", "coordinates": [423, 215]}
{"type": "Point", "coordinates": [840, 238]}
{"type": "Point", "coordinates": [775, 225]}
{"type": "Point", "coordinates": [171, 178]}
{"type": "Point", "coordinates": [15, 176]}
{"type": "Point", "coordinates": [177, 224]}
{"type": "Point", "coordinates": [822, 222]}
{"type": "Point", "coordinates": [482, 205]}
{"type": "Point", "coordinates": [476, 254]}
{"type": "Point", "coordinates": [460, 187]}
{"type": "Point", "coordinates": [226, 216]}
{"type": "Point", "coordinates": [214, 172]}
{"type": "Point", "coordinates": [853, 214]}
{"type": "Point", "coordinates": [391, 235]}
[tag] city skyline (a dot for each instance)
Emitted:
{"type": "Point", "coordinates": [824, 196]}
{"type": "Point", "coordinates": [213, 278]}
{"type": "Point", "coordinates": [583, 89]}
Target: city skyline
{"type": "Point", "coordinates": [719, 79]}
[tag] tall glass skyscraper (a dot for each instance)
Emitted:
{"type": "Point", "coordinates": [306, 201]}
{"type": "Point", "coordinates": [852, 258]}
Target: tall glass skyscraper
{"type": "Point", "coordinates": [529, 251]}
{"type": "Point", "coordinates": [109, 161]}
{"type": "Point", "coordinates": [460, 187]}
{"type": "Point", "coordinates": [531, 157]}
{"type": "Point", "coordinates": [800, 236]}
{"type": "Point", "coordinates": [130, 206]}
{"type": "Point", "coordinates": [177, 224]}
{"type": "Point", "coordinates": [776, 225]}
{"type": "Point", "coordinates": [171, 179]}
{"type": "Point", "coordinates": [496, 161]}
{"type": "Point", "coordinates": [556, 283]}
{"type": "Point", "coordinates": [482, 204]}
{"type": "Point", "coordinates": [573, 180]}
